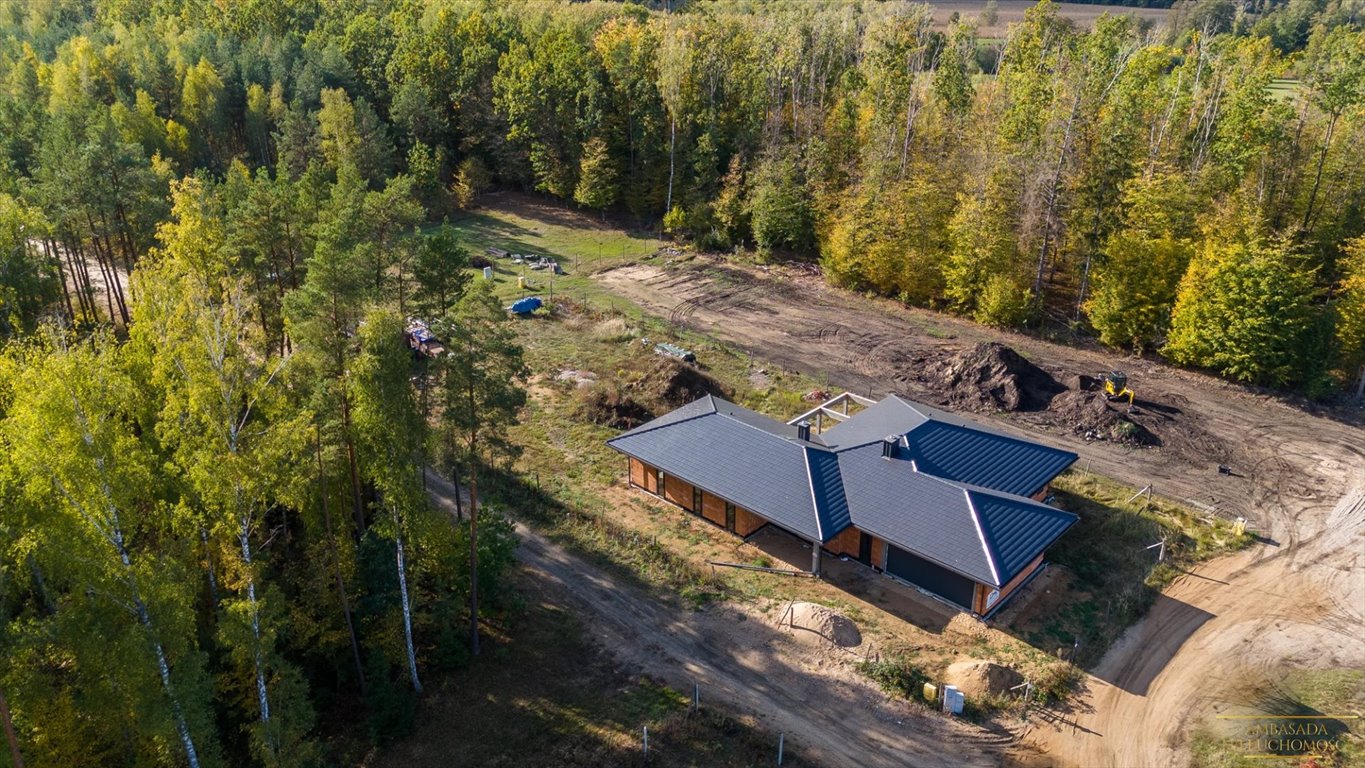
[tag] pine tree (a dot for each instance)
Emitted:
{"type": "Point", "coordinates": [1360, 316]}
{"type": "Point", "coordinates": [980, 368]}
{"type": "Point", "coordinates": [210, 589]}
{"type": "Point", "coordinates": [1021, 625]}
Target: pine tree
{"type": "Point", "coordinates": [597, 184]}
{"type": "Point", "coordinates": [481, 395]}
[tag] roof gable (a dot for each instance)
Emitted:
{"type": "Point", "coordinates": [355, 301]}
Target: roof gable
{"type": "Point", "coordinates": [914, 511]}
{"type": "Point", "coordinates": [987, 535]}
{"type": "Point", "coordinates": [1015, 530]}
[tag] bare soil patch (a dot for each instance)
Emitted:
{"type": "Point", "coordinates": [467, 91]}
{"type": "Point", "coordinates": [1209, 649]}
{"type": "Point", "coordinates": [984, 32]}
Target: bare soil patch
{"type": "Point", "coordinates": [653, 387]}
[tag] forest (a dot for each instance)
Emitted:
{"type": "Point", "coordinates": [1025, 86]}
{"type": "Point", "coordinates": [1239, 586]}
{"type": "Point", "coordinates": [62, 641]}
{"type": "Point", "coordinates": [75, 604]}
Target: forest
{"type": "Point", "coordinates": [215, 217]}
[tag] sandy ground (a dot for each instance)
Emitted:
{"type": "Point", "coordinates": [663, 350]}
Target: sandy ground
{"type": "Point", "coordinates": [743, 660]}
{"type": "Point", "coordinates": [1295, 598]}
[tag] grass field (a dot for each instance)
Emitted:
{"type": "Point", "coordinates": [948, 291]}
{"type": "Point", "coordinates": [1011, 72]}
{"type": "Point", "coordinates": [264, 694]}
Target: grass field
{"type": "Point", "coordinates": [1012, 11]}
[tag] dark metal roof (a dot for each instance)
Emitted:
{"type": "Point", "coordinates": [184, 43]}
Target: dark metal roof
{"type": "Point", "coordinates": [717, 446]}
{"type": "Point", "coordinates": [914, 511]}
{"type": "Point", "coordinates": [984, 534]}
{"type": "Point", "coordinates": [954, 448]}
{"type": "Point", "coordinates": [987, 459]}
{"type": "Point", "coordinates": [1015, 529]}
{"type": "Point", "coordinates": [953, 493]}
{"type": "Point", "coordinates": [891, 416]}
{"type": "Point", "coordinates": [827, 486]}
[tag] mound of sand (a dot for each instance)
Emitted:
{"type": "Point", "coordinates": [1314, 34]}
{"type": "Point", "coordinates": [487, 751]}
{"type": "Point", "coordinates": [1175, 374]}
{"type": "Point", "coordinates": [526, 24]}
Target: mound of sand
{"type": "Point", "coordinates": [816, 622]}
{"type": "Point", "coordinates": [994, 377]}
{"type": "Point", "coordinates": [1091, 415]}
{"type": "Point", "coordinates": [672, 383]}
{"type": "Point", "coordinates": [978, 678]}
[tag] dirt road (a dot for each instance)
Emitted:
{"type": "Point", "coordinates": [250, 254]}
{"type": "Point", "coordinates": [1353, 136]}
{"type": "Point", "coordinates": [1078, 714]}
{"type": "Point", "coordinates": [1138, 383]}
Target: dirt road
{"type": "Point", "coordinates": [830, 716]}
{"type": "Point", "coordinates": [1294, 599]}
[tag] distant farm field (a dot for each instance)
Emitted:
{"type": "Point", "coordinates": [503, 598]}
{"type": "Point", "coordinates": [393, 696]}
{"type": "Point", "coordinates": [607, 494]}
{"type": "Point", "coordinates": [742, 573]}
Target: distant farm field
{"type": "Point", "coordinates": [1011, 11]}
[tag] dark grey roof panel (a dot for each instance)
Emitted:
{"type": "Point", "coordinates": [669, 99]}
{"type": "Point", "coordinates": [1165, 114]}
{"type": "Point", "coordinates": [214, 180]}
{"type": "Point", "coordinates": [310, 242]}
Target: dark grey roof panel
{"type": "Point", "coordinates": [699, 407]}
{"type": "Point", "coordinates": [916, 512]}
{"type": "Point", "coordinates": [827, 485]}
{"type": "Point", "coordinates": [754, 468]}
{"type": "Point", "coordinates": [987, 459]}
{"type": "Point", "coordinates": [759, 421]}
{"type": "Point", "coordinates": [890, 416]}
{"type": "Point", "coordinates": [977, 532]}
{"type": "Point", "coordinates": [1016, 530]}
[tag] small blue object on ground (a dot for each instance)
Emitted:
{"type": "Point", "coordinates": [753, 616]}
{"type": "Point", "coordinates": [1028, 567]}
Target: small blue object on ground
{"type": "Point", "coordinates": [527, 305]}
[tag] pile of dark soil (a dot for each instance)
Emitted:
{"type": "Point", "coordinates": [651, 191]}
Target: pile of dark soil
{"type": "Point", "coordinates": [609, 404]}
{"type": "Point", "coordinates": [665, 384]}
{"type": "Point", "coordinates": [1091, 415]}
{"type": "Point", "coordinates": [671, 383]}
{"type": "Point", "coordinates": [991, 376]}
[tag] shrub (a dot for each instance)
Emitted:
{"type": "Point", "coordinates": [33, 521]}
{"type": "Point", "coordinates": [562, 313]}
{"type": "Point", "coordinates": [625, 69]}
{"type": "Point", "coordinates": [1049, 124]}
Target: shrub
{"type": "Point", "coordinates": [898, 676]}
{"type": "Point", "coordinates": [1004, 303]}
{"type": "Point", "coordinates": [1056, 681]}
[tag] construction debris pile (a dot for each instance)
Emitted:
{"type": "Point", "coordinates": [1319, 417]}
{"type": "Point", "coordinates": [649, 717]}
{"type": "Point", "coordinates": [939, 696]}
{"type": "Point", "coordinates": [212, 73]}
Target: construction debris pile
{"type": "Point", "coordinates": [1091, 415]}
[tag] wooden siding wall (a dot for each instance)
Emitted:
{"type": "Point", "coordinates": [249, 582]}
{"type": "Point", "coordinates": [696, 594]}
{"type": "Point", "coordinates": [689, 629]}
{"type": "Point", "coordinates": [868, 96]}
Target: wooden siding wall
{"type": "Point", "coordinates": [846, 543]}
{"type": "Point", "coordinates": [644, 476]}
{"type": "Point", "coordinates": [713, 508]}
{"type": "Point", "coordinates": [747, 522]}
{"type": "Point", "coordinates": [979, 604]}
{"type": "Point", "coordinates": [679, 493]}
{"type": "Point", "coordinates": [878, 553]}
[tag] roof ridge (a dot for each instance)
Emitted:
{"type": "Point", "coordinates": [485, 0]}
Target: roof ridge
{"type": "Point", "coordinates": [814, 501]}
{"type": "Point", "coordinates": [981, 536]}
{"type": "Point", "coordinates": [798, 442]}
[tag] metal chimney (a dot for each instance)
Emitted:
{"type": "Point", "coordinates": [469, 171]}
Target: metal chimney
{"type": "Point", "coordinates": [889, 445]}
{"type": "Point", "coordinates": [803, 431]}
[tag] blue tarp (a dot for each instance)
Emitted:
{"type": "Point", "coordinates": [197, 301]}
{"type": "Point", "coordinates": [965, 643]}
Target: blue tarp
{"type": "Point", "coordinates": [527, 305]}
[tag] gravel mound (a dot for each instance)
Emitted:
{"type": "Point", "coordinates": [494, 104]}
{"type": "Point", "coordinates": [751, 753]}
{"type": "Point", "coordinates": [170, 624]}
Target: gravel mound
{"type": "Point", "coordinates": [991, 376]}
{"type": "Point", "coordinates": [816, 622]}
{"type": "Point", "coordinates": [978, 678]}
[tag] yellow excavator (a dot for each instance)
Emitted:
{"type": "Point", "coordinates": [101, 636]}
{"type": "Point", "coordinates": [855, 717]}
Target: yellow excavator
{"type": "Point", "coordinates": [1116, 387]}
